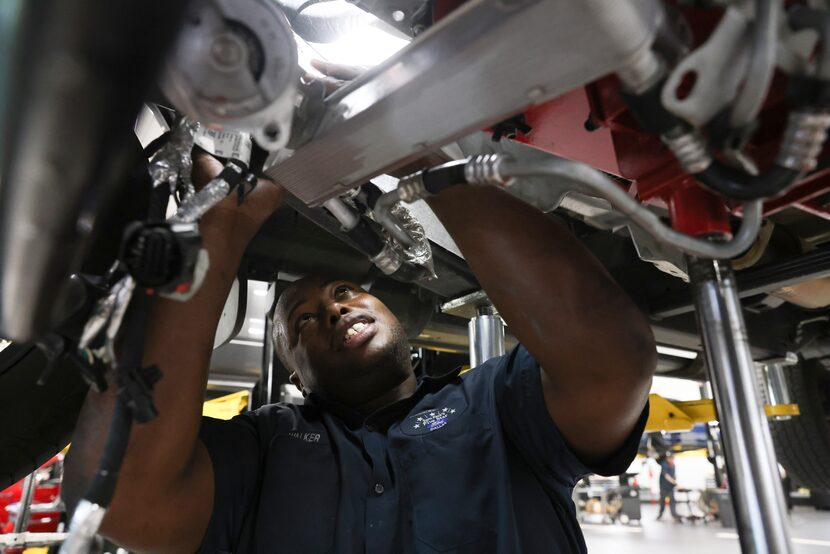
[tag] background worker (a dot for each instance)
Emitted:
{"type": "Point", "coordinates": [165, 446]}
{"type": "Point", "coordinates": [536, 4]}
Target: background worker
{"type": "Point", "coordinates": [668, 482]}
{"type": "Point", "coordinates": [376, 461]}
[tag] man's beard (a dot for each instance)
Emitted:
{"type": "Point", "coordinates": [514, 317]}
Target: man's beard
{"type": "Point", "coordinates": [387, 369]}
{"type": "Point", "coordinates": [394, 360]}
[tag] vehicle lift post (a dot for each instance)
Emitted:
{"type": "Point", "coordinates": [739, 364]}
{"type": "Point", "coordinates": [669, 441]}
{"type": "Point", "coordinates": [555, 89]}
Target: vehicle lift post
{"type": "Point", "coordinates": [486, 332]}
{"type": "Point", "coordinates": [754, 481]}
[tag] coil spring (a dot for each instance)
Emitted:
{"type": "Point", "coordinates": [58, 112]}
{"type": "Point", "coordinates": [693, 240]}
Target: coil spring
{"type": "Point", "coordinates": [803, 140]}
{"type": "Point", "coordinates": [690, 150]}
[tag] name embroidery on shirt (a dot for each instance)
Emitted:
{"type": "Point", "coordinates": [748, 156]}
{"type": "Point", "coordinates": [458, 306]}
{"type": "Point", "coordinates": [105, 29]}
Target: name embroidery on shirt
{"type": "Point", "coordinates": [307, 437]}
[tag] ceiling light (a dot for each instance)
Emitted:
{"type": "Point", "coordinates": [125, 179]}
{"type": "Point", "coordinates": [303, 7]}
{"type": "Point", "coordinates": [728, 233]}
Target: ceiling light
{"type": "Point", "coordinates": [676, 352]}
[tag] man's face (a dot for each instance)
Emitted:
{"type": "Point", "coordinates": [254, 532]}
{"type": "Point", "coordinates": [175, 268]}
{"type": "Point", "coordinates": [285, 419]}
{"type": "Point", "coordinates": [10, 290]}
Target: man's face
{"type": "Point", "coordinates": [341, 341]}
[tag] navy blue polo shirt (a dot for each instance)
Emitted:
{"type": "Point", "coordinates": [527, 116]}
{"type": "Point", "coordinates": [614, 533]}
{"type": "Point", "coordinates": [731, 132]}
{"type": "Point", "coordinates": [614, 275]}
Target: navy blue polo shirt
{"type": "Point", "coordinates": [467, 464]}
{"type": "Point", "coordinates": [666, 470]}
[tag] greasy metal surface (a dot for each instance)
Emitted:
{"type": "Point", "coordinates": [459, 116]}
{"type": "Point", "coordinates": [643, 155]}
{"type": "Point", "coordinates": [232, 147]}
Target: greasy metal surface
{"type": "Point", "coordinates": [486, 60]}
{"type": "Point", "coordinates": [755, 484]}
{"type": "Point", "coordinates": [453, 274]}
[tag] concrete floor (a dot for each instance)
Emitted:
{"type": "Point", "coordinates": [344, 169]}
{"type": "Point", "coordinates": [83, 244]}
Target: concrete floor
{"type": "Point", "coordinates": [810, 531]}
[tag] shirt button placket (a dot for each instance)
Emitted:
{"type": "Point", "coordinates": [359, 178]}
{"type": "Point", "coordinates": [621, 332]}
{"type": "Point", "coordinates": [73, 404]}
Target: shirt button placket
{"type": "Point", "coordinates": [381, 516]}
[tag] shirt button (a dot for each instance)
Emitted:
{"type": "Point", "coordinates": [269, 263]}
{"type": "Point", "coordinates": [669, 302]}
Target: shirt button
{"type": "Point", "coordinates": [378, 489]}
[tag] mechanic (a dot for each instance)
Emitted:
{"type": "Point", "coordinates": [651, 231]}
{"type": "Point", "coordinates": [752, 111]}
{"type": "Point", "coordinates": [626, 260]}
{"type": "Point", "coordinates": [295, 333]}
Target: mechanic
{"type": "Point", "coordinates": [668, 481]}
{"type": "Point", "coordinates": [376, 461]}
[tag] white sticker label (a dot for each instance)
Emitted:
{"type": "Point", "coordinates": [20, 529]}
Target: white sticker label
{"type": "Point", "coordinates": [225, 144]}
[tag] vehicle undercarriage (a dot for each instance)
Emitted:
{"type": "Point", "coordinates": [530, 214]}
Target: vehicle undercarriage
{"type": "Point", "coordinates": [682, 141]}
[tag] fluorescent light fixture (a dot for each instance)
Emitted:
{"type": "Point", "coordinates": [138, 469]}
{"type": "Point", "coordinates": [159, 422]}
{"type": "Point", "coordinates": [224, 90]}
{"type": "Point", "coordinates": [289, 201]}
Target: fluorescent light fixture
{"type": "Point", "coordinates": [675, 388]}
{"type": "Point", "coordinates": [368, 43]}
{"type": "Point", "coordinates": [676, 352]}
{"type": "Point", "coordinates": [241, 342]}
{"type": "Point", "coordinates": [256, 331]}
{"type": "Point", "coordinates": [256, 320]}
{"type": "Point", "coordinates": [260, 292]}
{"type": "Point", "coordinates": [366, 46]}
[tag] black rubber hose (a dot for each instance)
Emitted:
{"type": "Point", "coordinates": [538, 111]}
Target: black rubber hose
{"type": "Point", "coordinates": [734, 183]}
{"type": "Point", "coordinates": [367, 239]}
{"type": "Point", "coordinates": [649, 111]}
{"type": "Point", "coordinates": [444, 176]}
{"type": "Point", "coordinates": [102, 486]}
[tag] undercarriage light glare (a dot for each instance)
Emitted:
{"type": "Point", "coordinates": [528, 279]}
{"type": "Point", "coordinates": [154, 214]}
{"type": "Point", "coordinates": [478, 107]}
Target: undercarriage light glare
{"type": "Point", "coordinates": [676, 352]}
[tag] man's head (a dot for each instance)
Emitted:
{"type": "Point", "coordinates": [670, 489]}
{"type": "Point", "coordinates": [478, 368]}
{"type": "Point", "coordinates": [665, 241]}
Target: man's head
{"type": "Point", "coordinates": [339, 341]}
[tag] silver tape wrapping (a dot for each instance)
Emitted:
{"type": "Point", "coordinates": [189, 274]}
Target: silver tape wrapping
{"type": "Point", "coordinates": [196, 205]}
{"type": "Point", "coordinates": [419, 254]}
{"type": "Point", "coordinates": [173, 161]}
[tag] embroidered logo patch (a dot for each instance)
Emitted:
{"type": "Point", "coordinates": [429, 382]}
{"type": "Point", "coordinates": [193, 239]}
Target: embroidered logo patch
{"type": "Point", "coordinates": [430, 420]}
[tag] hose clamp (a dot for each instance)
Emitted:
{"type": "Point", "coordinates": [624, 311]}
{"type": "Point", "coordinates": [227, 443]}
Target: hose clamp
{"type": "Point", "coordinates": [388, 261]}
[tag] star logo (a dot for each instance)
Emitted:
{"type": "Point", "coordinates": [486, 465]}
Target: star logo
{"type": "Point", "coordinates": [431, 419]}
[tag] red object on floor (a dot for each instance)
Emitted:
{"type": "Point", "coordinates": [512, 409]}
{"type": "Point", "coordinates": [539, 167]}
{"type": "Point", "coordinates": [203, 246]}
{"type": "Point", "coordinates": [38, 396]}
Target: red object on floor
{"type": "Point", "coordinates": [39, 521]}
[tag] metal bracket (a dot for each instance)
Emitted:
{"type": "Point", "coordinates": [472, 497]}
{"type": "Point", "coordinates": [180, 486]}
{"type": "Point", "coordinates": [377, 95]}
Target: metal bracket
{"type": "Point", "coordinates": [476, 68]}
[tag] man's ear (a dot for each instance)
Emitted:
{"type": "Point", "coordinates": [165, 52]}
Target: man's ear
{"type": "Point", "coordinates": [295, 380]}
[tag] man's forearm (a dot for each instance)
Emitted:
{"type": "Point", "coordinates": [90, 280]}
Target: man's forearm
{"type": "Point", "coordinates": [179, 339]}
{"type": "Point", "coordinates": [592, 342]}
{"type": "Point", "coordinates": [553, 293]}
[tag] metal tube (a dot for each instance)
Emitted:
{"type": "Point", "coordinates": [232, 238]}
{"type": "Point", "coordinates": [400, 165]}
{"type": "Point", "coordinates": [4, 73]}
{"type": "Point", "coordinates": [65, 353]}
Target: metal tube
{"type": "Point", "coordinates": [755, 483]}
{"type": "Point", "coordinates": [25, 503]}
{"type": "Point", "coordinates": [590, 181]}
{"type": "Point", "coordinates": [347, 217]}
{"type": "Point", "coordinates": [486, 336]}
{"type": "Point", "coordinates": [772, 382]}
{"type": "Point", "coordinates": [776, 383]}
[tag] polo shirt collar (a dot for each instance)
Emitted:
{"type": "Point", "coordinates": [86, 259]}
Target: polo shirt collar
{"type": "Point", "coordinates": [385, 416]}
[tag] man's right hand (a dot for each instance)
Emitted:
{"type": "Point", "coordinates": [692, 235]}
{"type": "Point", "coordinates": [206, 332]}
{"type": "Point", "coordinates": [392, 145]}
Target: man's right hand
{"type": "Point", "coordinates": [259, 204]}
{"type": "Point", "coordinates": [164, 496]}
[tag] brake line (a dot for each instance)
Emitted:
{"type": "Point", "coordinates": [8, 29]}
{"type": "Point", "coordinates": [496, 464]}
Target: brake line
{"type": "Point", "coordinates": [498, 170]}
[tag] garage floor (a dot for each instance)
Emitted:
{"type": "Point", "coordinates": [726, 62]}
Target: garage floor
{"type": "Point", "coordinates": [810, 531]}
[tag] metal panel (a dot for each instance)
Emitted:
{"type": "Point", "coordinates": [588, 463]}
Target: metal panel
{"type": "Point", "coordinates": [487, 60]}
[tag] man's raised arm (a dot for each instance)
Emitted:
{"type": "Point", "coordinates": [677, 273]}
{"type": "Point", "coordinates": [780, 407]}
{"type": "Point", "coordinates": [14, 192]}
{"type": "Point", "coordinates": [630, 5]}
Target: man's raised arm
{"type": "Point", "coordinates": [164, 496]}
{"type": "Point", "coordinates": [595, 347]}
